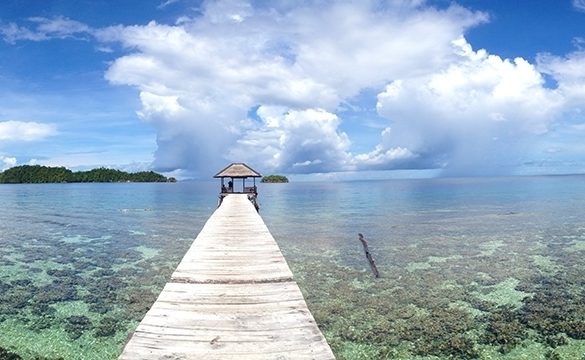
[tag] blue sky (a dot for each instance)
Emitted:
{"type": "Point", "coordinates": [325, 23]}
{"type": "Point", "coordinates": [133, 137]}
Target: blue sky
{"type": "Point", "coordinates": [330, 89]}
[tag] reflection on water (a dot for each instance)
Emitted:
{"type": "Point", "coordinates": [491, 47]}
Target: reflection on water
{"type": "Point", "coordinates": [471, 268]}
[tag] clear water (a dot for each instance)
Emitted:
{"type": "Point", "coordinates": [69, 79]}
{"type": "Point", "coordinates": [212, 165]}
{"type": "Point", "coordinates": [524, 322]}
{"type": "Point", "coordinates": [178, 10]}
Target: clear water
{"type": "Point", "coordinates": [488, 268]}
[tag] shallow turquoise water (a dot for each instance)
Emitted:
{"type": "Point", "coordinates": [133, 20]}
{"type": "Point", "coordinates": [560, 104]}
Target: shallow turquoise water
{"type": "Point", "coordinates": [389, 212]}
{"type": "Point", "coordinates": [465, 263]}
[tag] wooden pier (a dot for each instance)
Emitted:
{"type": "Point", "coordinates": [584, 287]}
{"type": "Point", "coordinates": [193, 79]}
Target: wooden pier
{"type": "Point", "coordinates": [231, 297]}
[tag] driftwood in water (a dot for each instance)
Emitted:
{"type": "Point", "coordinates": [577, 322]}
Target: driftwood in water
{"type": "Point", "coordinates": [369, 256]}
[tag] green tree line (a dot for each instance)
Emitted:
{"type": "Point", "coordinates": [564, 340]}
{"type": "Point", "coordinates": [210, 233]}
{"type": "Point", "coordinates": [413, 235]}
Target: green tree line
{"type": "Point", "coordinates": [274, 179]}
{"type": "Point", "coordinates": [45, 174]}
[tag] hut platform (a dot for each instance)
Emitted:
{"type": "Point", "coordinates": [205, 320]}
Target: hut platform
{"type": "Point", "coordinates": [231, 297]}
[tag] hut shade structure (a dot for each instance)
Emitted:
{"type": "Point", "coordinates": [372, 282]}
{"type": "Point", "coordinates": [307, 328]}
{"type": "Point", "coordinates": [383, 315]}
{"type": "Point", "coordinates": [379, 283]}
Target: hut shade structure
{"type": "Point", "coordinates": [238, 171]}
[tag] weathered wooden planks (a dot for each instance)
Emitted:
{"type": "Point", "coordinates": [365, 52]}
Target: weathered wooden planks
{"type": "Point", "coordinates": [231, 297]}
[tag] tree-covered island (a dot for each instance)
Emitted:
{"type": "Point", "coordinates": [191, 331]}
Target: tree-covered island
{"type": "Point", "coordinates": [274, 179]}
{"type": "Point", "coordinates": [34, 174]}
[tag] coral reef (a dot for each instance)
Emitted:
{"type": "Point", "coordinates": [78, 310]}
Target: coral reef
{"type": "Point", "coordinates": [8, 355]}
{"type": "Point", "coordinates": [503, 329]}
{"type": "Point", "coordinates": [77, 325]}
{"type": "Point", "coordinates": [82, 287]}
{"type": "Point", "coordinates": [466, 283]}
{"type": "Point", "coordinates": [465, 308]}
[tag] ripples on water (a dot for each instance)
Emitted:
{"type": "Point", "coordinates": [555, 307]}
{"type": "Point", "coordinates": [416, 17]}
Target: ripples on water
{"type": "Point", "coordinates": [471, 268]}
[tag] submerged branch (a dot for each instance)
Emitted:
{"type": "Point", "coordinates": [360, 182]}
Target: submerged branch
{"type": "Point", "coordinates": [369, 256]}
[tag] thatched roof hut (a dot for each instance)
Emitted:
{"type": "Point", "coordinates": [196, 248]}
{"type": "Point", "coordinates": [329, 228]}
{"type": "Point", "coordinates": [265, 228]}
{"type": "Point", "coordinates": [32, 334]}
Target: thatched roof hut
{"type": "Point", "coordinates": [238, 171]}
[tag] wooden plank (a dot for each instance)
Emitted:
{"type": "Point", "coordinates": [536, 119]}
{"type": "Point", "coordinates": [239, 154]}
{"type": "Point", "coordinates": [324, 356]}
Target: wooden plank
{"type": "Point", "coordinates": [231, 297]}
{"type": "Point", "coordinates": [235, 232]}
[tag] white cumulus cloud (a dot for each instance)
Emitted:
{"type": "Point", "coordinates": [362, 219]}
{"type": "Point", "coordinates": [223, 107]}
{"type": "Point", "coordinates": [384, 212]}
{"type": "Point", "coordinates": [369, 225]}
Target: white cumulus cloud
{"type": "Point", "coordinates": [386, 156]}
{"type": "Point", "coordinates": [25, 131]}
{"type": "Point", "coordinates": [472, 116]}
{"type": "Point", "coordinates": [295, 141]}
{"type": "Point", "coordinates": [201, 79]}
{"type": "Point", "coordinates": [569, 72]}
{"type": "Point", "coordinates": [7, 162]}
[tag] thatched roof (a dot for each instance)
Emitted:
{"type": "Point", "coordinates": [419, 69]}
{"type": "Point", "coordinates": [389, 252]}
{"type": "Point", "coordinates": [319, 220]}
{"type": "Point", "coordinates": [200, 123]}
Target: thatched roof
{"type": "Point", "coordinates": [238, 170]}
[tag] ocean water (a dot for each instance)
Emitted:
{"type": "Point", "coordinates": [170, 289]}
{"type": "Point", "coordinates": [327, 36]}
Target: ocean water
{"type": "Point", "coordinates": [486, 268]}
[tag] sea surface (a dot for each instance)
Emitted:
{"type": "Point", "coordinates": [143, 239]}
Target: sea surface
{"type": "Point", "coordinates": [471, 268]}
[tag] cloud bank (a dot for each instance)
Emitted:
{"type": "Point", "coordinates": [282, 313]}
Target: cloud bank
{"type": "Point", "coordinates": [265, 83]}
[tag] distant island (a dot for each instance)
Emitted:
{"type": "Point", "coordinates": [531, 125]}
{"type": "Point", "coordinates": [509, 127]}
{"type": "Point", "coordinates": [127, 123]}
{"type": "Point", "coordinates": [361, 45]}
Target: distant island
{"type": "Point", "coordinates": [274, 179]}
{"type": "Point", "coordinates": [35, 174]}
